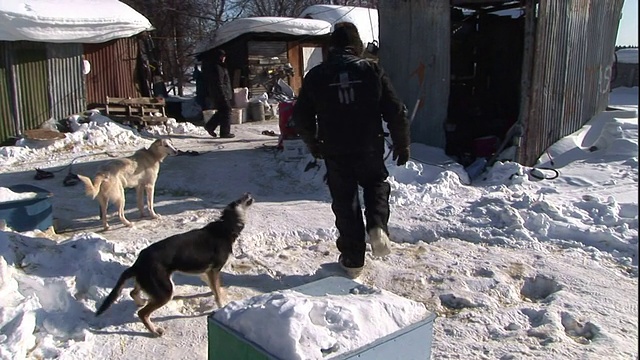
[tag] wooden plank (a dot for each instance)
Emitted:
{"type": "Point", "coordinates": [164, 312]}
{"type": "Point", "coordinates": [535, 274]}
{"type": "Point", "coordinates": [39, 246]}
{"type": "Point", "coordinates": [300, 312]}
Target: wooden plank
{"type": "Point", "coordinates": [136, 101]}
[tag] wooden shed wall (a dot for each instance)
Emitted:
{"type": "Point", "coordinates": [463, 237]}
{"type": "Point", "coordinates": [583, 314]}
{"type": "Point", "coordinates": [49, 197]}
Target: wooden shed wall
{"type": "Point", "coordinates": [575, 43]}
{"type": "Point", "coordinates": [419, 63]}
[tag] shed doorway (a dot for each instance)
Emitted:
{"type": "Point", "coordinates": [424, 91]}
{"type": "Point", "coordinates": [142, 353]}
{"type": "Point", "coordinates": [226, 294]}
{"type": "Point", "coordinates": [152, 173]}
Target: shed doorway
{"type": "Point", "coordinates": [486, 69]}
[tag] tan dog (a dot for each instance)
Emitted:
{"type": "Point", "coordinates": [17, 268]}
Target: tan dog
{"type": "Point", "coordinates": [139, 171]}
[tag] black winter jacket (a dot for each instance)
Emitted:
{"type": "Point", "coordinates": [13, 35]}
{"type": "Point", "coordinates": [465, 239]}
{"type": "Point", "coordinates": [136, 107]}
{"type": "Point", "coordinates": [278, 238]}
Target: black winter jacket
{"type": "Point", "coordinates": [341, 105]}
{"type": "Point", "coordinates": [218, 83]}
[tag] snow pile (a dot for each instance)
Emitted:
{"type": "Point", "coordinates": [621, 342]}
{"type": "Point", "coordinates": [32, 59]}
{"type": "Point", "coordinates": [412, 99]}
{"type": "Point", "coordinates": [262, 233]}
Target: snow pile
{"type": "Point", "coordinates": [92, 135]}
{"type": "Point", "coordinates": [47, 302]}
{"type": "Point", "coordinates": [312, 327]}
{"type": "Point", "coordinates": [7, 195]}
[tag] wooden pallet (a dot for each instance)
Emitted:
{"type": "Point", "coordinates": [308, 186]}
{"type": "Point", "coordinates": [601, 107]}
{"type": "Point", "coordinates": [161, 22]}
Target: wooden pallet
{"type": "Point", "coordinates": [140, 111]}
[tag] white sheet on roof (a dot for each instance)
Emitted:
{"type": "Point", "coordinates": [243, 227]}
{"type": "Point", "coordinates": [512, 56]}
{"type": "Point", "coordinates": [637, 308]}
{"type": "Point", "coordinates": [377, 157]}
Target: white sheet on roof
{"type": "Point", "coordinates": [280, 25]}
{"type": "Point", "coordinates": [69, 21]}
{"type": "Point", "coordinates": [366, 20]}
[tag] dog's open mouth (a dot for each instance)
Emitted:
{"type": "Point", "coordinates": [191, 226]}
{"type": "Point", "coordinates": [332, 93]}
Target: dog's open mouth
{"type": "Point", "coordinates": [246, 199]}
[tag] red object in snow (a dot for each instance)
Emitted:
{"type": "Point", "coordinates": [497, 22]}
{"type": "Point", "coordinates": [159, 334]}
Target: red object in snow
{"type": "Point", "coordinates": [287, 130]}
{"type": "Point", "coordinates": [485, 146]}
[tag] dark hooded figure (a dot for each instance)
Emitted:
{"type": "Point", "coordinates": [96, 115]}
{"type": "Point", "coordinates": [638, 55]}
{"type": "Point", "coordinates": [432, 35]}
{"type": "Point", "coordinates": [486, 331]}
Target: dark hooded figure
{"type": "Point", "coordinates": [219, 93]}
{"type": "Point", "coordinates": [339, 114]}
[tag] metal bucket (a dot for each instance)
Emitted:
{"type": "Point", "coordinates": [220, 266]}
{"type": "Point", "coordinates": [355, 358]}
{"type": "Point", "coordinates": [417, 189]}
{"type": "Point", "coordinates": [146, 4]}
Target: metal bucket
{"type": "Point", "coordinates": [256, 111]}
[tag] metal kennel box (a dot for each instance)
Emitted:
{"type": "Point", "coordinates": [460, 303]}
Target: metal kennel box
{"type": "Point", "coordinates": [28, 214]}
{"type": "Point", "coordinates": [410, 343]}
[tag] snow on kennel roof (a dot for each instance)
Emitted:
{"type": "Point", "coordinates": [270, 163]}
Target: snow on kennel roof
{"type": "Point", "coordinates": [365, 19]}
{"type": "Point", "coordinates": [266, 24]}
{"type": "Point", "coordinates": [69, 21]}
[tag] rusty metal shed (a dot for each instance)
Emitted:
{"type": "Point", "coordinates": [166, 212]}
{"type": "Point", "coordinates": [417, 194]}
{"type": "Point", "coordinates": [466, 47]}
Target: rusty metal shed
{"type": "Point", "coordinates": [116, 70]}
{"type": "Point", "coordinates": [469, 73]}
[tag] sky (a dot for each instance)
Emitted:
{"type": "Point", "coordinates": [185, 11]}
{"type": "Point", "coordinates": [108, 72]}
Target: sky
{"type": "Point", "coordinates": [628, 30]}
{"type": "Point", "coordinates": [510, 265]}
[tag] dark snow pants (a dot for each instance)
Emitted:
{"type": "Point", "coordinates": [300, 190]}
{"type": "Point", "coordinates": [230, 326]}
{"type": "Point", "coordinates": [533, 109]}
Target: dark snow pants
{"type": "Point", "coordinates": [344, 174]}
{"type": "Point", "coordinates": [221, 118]}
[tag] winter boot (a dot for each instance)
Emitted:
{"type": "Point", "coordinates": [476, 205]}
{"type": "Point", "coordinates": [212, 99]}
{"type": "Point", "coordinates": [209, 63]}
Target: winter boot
{"type": "Point", "coordinates": [352, 270]}
{"type": "Point", "coordinates": [380, 243]}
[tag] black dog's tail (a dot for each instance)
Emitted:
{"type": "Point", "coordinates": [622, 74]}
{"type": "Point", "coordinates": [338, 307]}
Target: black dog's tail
{"type": "Point", "coordinates": [113, 295]}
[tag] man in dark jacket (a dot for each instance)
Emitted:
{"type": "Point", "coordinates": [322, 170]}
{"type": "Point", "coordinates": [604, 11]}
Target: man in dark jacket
{"type": "Point", "coordinates": [220, 93]}
{"type": "Point", "coordinates": [339, 115]}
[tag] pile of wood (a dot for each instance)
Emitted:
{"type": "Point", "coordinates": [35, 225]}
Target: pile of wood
{"type": "Point", "coordinates": [140, 112]}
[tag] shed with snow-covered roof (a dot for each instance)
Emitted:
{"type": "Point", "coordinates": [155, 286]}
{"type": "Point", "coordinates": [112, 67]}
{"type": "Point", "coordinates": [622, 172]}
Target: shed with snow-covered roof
{"type": "Point", "coordinates": [256, 45]}
{"type": "Point", "coordinates": [54, 62]}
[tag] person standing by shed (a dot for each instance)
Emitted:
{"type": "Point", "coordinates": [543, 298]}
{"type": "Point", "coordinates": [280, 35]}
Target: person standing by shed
{"type": "Point", "coordinates": [219, 93]}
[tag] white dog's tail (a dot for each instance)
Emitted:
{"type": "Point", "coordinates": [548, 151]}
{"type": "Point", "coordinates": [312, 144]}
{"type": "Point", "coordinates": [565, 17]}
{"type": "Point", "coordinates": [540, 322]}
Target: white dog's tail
{"type": "Point", "coordinates": [92, 188]}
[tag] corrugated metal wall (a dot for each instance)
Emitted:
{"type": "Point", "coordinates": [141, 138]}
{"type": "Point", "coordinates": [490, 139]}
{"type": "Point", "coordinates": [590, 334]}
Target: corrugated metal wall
{"type": "Point", "coordinates": [7, 120]}
{"type": "Point", "coordinates": [571, 70]}
{"type": "Point", "coordinates": [113, 70]}
{"type": "Point", "coordinates": [38, 81]}
{"type": "Point", "coordinates": [66, 80]}
{"type": "Point", "coordinates": [30, 68]}
{"type": "Point", "coordinates": [418, 62]}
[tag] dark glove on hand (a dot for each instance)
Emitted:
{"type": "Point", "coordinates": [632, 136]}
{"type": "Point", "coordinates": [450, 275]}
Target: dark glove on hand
{"type": "Point", "coordinates": [314, 149]}
{"type": "Point", "coordinates": [401, 154]}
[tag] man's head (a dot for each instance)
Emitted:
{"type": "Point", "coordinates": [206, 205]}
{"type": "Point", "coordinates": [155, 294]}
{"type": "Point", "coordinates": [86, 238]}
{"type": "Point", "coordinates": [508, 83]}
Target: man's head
{"type": "Point", "coordinates": [346, 35]}
{"type": "Point", "coordinates": [221, 55]}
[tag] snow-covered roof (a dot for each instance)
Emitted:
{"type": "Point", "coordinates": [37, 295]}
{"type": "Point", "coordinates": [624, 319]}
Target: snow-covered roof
{"type": "Point", "coordinates": [277, 25]}
{"type": "Point", "coordinates": [366, 20]}
{"type": "Point", "coordinates": [628, 56]}
{"type": "Point", "coordinates": [69, 21]}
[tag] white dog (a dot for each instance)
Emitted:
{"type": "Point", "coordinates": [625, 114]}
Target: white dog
{"type": "Point", "coordinates": [139, 171]}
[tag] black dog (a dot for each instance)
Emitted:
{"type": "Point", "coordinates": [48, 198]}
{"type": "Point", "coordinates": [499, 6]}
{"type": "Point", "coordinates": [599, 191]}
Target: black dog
{"type": "Point", "coordinates": [201, 251]}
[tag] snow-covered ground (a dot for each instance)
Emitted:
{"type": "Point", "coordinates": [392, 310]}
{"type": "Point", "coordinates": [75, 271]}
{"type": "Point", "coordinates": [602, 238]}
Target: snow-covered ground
{"type": "Point", "coordinates": [514, 267]}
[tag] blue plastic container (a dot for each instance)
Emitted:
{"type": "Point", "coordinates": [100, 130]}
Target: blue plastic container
{"type": "Point", "coordinates": [28, 214]}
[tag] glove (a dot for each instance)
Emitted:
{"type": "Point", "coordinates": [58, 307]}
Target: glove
{"type": "Point", "coordinates": [314, 149]}
{"type": "Point", "coordinates": [401, 154]}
